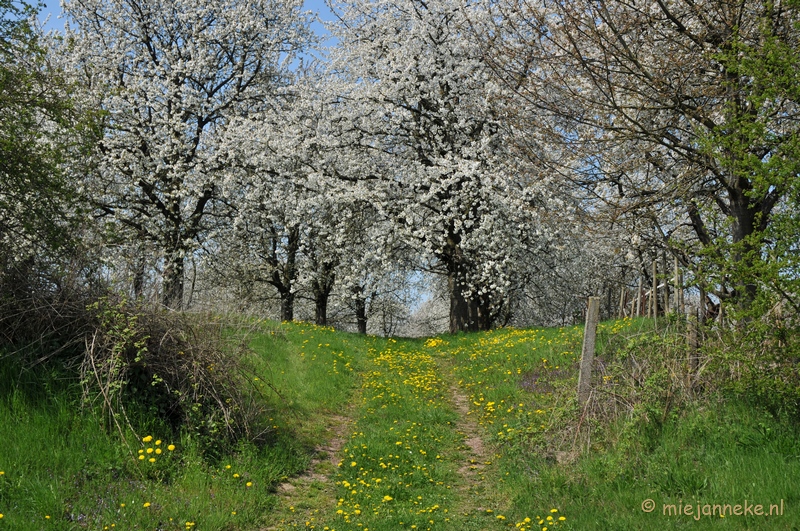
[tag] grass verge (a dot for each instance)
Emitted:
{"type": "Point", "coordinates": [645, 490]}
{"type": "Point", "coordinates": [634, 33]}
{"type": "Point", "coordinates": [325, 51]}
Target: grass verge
{"type": "Point", "coordinates": [60, 469]}
{"type": "Point", "coordinates": [468, 432]}
{"type": "Point", "coordinates": [642, 462]}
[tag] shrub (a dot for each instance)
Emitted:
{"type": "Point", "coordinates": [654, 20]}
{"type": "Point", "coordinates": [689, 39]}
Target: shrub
{"type": "Point", "coordinates": [42, 309]}
{"type": "Point", "coordinates": [760, 363]}
{"type": "Point", "coordinates": [652, 376]}
{"type": "Point", "coordinates": [191, 371]}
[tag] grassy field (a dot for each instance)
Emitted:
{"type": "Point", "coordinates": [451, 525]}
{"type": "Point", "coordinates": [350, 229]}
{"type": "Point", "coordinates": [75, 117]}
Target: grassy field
{"type": "Point", "coordinates": [469, 432]}
{"type": "Point", "coordinates": [60, 469]}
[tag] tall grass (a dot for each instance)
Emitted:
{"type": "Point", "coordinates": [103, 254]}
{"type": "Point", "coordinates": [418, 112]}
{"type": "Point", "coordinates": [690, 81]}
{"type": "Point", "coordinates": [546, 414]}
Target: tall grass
{"type": "Point", "coordinates": [405, 462]}
{"type": "Point", "coordinates": [62, 467]}
{"type": "Point", "coordinates": [599, 465]}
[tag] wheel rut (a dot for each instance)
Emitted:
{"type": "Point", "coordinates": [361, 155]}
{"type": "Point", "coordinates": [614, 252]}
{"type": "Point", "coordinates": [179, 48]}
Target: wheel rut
{"type": "Point", "coordinates": [478, 496]}
{"type": "Point", "coordinates": [308, 496]}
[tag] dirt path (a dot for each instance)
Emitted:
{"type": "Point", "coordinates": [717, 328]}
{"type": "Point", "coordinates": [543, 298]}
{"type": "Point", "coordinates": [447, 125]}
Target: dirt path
{"type": "Point", "coordinates": [477, 490]}
{"type": "Point", "coordinates": [477, 457]}
{"type": "Point", "coordinates": [305, 498]}
{"type": "Point", "coordinates": [475, 503]}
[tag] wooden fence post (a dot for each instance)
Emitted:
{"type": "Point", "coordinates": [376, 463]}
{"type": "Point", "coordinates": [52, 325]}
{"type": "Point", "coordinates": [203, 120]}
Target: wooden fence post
{"type": "Point", "coordinates": [665, 271]}
{"type": "Point", "coordinates": [702, 313]}
{"type": "Point", "coordinates": [587, 354]}
{"type": "Point", "coordinates": [678, 289]}
{"type": "Point", "coordinates": [639, 296]}
{"type": "Point", "coordinates": [654, 293]}
{"type": "Point", "coordinates": [694, 343]}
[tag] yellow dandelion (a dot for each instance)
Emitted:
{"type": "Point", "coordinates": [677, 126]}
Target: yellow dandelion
{"type": "Point", "coordinates": [152, 459]}
{"type": "Point", "coordinates": [158, 450]}
{"type": "Point", "coordinates": [236, 475]}
{"type": "Point", "coordinates": [147, 439]}
{"type": "Point", "coordinates": [146, 504]}
{"type": "Point", "coordinates": [387, 498]}
{"type": "Point", "coordinates": [149, 450]}
{"type": "Point", "coordinates": [249, 484]}
{"type": "Point", "coordinates": [158, 442]}
{"type": "Point", "coordinates": [171, 447]}
{"type": "Point", "coordinates": [141, 457]}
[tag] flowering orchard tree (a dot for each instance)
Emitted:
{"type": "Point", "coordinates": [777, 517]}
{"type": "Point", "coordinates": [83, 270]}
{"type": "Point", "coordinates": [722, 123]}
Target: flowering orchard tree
{"type": "Point", "coordinates": [419, 105]}
{"type": "Point", "coordinates": [289, 225]}
{"type": "Point", "coordinates": [275, 196]}
{"type": "Point", "coordinates": [171, 75]}
{"type": "Point", "coordinates": [263, 245]}
{"type": "Point", "coordinates": [684, 112]}
{"type": "Point", "coordinates": [376, 272]}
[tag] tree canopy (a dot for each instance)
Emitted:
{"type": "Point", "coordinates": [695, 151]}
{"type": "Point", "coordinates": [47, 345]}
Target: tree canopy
{"type": "Point", "coordinates": [501, 160]}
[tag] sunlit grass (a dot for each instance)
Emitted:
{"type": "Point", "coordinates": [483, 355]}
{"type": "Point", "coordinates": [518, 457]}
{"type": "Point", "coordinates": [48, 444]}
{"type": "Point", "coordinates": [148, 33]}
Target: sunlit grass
{"type": "Point", "coordinates": [62, 469]}
{"type": "Point", "coordinates": [522, 386]}
{"type": "Point", "coordinates": [403, 463]}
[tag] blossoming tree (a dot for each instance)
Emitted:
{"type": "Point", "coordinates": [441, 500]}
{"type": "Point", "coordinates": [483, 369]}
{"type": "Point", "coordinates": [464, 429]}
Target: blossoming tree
{"type": "Point", "coordinates": [171, 75]}
{"type": "Point", "coordinates": [420, 108]}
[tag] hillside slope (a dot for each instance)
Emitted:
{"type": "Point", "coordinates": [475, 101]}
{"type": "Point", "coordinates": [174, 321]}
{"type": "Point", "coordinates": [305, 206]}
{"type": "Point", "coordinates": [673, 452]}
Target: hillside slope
{"type": "Point", "coordinates": [467, 432]}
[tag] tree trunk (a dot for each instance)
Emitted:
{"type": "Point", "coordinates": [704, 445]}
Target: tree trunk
{"type": "Point", "coordinates": [287, 305]}
{"type": "Point", "coordinates": [138, 277]}
{"type": "Point", "coordinates": [322, 287]}
{"type": "Point", "coordinates": [361, 315]}
{"type": "Point", "coordinates": [139, 266]}
{"type": "Point", "coordinates": [744, 211]}
{"type": "Point", "coordinates": [283, 275]}
{"type": "Point", "coordinates": [360, 303]}
{"type": "Point", "coordinates": [459, 308]}
{"type": "Point", "coordinates": [172, 281]}
{"type": "Point", "coordinates": [467, 314]}
{"type": "Point", "coordinates": [321, 308]}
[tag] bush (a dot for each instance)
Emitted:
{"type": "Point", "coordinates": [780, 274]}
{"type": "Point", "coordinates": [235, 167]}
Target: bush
{"type": "Point", "coordinates": [39, 309]}
{"type": "Point", "coordinates": [191, 371]}
{"type": "Point", "coordinates": [759, 362]}
{"type": "Point", "coordinates": [646, 380]}
{"type": "Point", "coordinates": [652, 376]}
